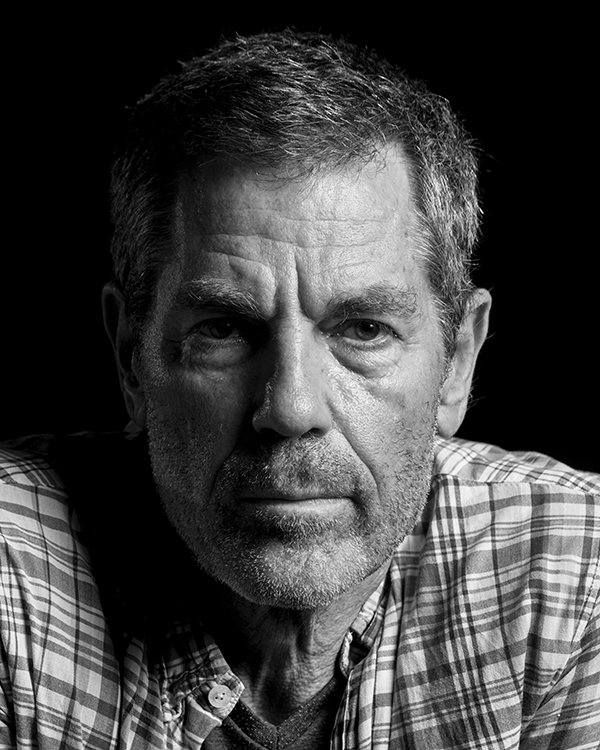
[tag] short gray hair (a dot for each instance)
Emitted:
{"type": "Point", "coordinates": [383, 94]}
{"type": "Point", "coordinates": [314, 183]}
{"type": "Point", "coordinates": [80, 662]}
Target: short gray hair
{"type": "Point", "coordinates": [300, 103]}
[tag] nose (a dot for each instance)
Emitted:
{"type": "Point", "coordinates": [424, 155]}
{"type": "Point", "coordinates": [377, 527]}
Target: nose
{"type": "Point", "coordinates": [294, 399]}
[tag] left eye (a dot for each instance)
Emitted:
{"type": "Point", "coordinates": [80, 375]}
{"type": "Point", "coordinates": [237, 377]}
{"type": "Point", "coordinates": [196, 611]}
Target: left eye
{"type": "Point", "coordinates": [363, 330]}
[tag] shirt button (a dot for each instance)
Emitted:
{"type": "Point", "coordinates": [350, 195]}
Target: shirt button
{"type": "Point", "coordinates": [219, 696]}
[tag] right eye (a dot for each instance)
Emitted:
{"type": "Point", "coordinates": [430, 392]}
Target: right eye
{"type": "Point", "coordinates": [218, 328]}
{"type": "Point", "coordinates": [220, 342]}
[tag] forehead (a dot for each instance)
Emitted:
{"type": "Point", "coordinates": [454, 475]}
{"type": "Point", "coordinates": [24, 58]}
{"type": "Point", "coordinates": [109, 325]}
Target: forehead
{"type": "Point", "coordinates": [312, 238]}
{"type": "Point", "coordinates": [341, 207]}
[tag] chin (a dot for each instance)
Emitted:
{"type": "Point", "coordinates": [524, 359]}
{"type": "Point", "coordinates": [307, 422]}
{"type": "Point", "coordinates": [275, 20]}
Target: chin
{"type": "Point", "coordinates": [287, 577]}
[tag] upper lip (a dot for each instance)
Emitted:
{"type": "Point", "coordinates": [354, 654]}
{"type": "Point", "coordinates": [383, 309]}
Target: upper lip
{"type": "Point", "coordinates": [290, 495]}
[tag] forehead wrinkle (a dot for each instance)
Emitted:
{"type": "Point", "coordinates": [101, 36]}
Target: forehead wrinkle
{"type": "Point", "coordinates": [317, 212]}
{"type": "Point", "coordinates": [308, 227]}
{"type": "Point", "coordinates": [303, 232]}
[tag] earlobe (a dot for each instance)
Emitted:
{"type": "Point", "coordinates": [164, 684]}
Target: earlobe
{"type": "Point", "coordinates": [454, 397]}
{"type": "Point", "coordinates": [121, 337]}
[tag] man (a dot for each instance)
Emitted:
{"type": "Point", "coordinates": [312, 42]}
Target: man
{"type": "Point", "coordinates": [288, 548]}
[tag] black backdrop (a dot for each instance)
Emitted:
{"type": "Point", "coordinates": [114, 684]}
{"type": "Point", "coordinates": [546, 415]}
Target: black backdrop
{"type": "Point", "coordinates": [525, 89]}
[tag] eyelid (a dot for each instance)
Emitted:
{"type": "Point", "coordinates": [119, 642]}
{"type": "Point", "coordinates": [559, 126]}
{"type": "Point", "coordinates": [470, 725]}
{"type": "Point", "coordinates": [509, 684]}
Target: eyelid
{"type": "Point", "coordinates": [219, 319]}
{"type": "Point", "coordinates": [354, 319]}
{"type": "Point", "coordinates": [244, 330]}
{"type": "Point", "coordinates": [235, 317]}
{"type": "Point", "coordinates": [255, 329]}
{"type": "Point", "coordinates": [235, 321]}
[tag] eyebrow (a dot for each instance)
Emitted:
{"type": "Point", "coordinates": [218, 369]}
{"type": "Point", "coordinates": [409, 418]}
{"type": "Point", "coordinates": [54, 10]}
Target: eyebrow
{"type": "Point", "coordinates": [217, 294]}
{"type": "Point", "coordinates": [379, 299]}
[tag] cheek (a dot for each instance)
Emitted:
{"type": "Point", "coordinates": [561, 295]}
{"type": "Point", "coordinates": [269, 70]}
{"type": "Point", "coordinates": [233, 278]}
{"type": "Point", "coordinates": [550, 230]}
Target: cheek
{"type": "Point", "coordinates": [386, 419]}
{"type": "Point", "coordinates": [200, 411]}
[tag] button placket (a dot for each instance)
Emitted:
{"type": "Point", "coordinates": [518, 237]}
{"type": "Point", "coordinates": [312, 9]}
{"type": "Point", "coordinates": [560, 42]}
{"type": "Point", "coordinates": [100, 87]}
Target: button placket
{"type": "Point", "coordinates": [172, 707]}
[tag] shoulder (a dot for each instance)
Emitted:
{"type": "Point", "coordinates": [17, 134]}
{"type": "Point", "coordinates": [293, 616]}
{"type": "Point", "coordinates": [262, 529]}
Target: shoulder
{"type": "Point", "coordinates": [519, 520]}
{"type": "Point", "coordinates": [24, 462]}
{"type": "Point", "coordinates": [48, 483]}
{"type": "Point", "coordinates": [492, 484]}
{"type": "Point", "coordinates": [41, 544]}
{"type": "Point", "coordinates": [79, 515]}
{"type": "Point", "coordinates": [34, 508]}
{"type": "Point", "coordinates": [512, 493]}
{"type": "Point", "coordinates": [499, 597]}
{"type": "Point", "coordinates": [57, 654]}
{"type": "Point", "coordinates": [52, 491]}
{"type": "Point", "coordinates": [489, 464]}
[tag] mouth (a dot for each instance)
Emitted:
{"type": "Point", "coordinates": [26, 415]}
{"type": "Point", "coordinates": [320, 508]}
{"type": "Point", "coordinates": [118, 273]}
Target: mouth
{"type": "Point", "coordinates": [300, 502]}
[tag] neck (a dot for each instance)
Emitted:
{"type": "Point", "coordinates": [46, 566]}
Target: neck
{"type": "Point", "coordinates": [283, 656]}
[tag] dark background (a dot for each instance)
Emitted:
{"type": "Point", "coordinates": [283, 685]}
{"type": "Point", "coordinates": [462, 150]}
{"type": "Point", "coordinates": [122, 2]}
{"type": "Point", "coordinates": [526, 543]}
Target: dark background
{"type": "Point", "coordinates": [526, 90]}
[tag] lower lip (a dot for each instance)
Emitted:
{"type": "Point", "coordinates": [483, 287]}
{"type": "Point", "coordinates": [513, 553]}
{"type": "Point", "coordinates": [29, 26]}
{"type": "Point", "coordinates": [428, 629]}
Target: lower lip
{"type": "Point", "coordinates": [310, 506]}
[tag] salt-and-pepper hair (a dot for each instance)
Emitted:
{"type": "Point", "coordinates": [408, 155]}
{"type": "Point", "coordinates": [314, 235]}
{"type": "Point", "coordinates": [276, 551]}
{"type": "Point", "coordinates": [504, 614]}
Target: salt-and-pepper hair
{"type": "Point", "coordinates": [298, 104]}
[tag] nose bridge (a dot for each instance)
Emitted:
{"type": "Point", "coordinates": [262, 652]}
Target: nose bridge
{"type": "Point", "coordinates": [295, 397]}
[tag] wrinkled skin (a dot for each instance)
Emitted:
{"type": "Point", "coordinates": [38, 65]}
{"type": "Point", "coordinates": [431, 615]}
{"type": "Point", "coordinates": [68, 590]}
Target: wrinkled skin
{"type": "Point", "coordinates": [292, 378]}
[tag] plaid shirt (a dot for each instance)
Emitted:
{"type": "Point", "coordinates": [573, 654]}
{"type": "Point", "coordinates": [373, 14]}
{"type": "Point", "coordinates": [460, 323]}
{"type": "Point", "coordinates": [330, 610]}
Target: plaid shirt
{"type": "Point", "coordinates": [485, 633]}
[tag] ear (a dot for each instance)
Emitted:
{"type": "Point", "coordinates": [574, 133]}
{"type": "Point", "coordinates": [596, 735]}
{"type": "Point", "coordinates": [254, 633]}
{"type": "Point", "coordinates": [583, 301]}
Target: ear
{"type": "Point", "coordinates": [457, 386]}
{"type": "Point", "coordinates": [121, 337]}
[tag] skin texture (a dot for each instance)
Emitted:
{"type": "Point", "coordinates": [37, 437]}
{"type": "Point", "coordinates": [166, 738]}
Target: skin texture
{"type": "Point", "coordinates": [292, 379]}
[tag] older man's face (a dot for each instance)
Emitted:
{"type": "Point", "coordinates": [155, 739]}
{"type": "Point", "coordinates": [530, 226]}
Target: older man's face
{"type": "Point", "coordinates": [291, 373]}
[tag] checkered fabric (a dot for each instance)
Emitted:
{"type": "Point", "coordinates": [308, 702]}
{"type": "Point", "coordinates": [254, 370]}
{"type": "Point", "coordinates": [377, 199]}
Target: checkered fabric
{"type": "Point", "coordinates": [485, 634]}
